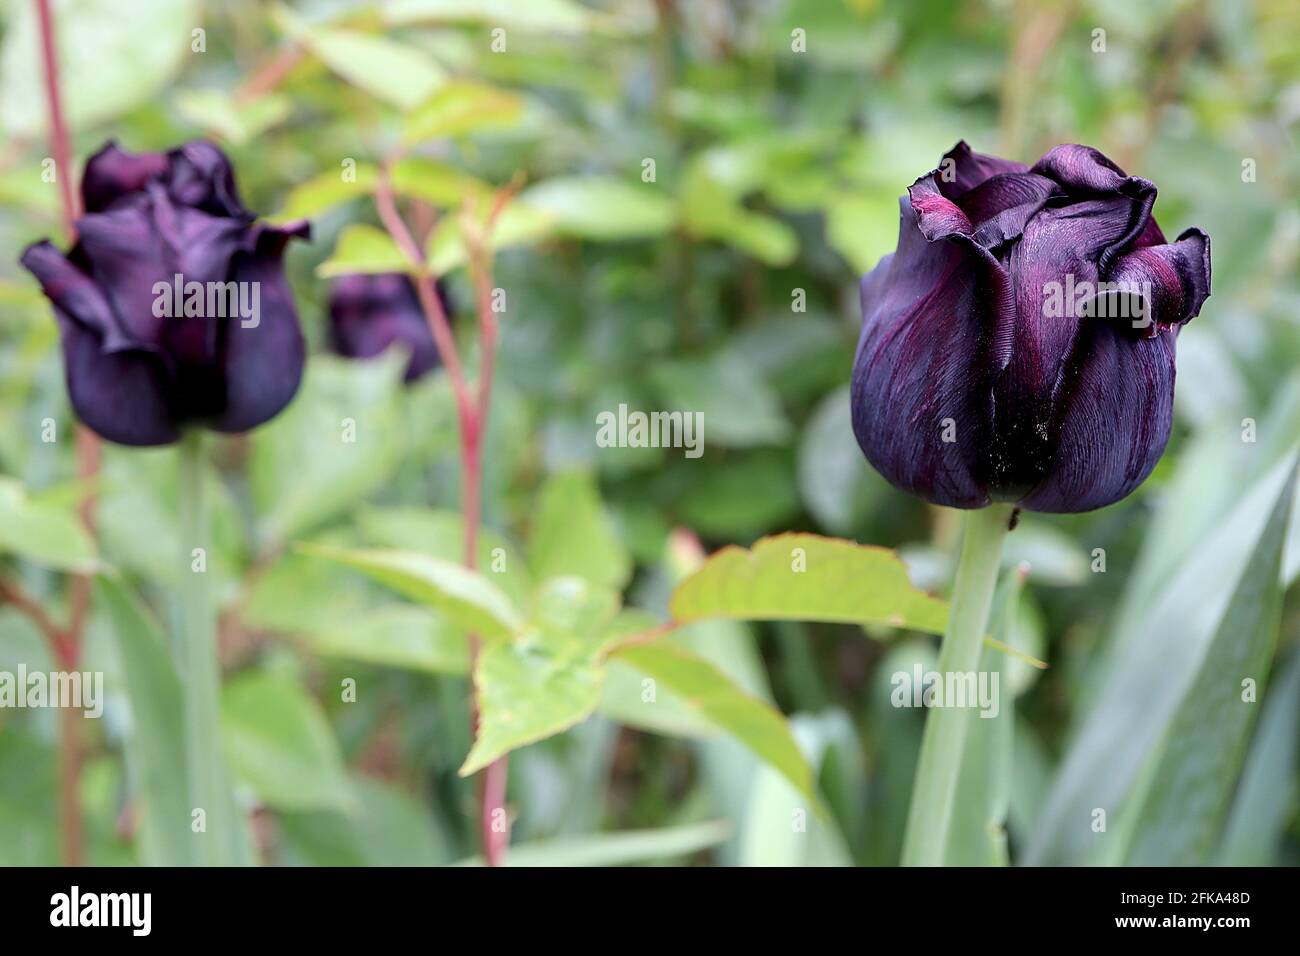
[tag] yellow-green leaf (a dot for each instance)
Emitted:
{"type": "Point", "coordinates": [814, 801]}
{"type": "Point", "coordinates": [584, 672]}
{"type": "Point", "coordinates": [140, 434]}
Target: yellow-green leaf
{"type": "Point", "coordinates": [469, 600]}
{"type": "Point", "coordinates": [805, 577]}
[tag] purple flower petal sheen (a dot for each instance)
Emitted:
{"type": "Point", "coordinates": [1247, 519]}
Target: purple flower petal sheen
{"type": "Point", "coordinates": [144, 299]}
{"type": "Point", "coordinates": [370, 313]}
{"type": "Point", "coordinates": [263, 363]}
{"type": "Point", "coordinates": [112, 173]}
{"type": "Point", "coordinates": [1056, 410]}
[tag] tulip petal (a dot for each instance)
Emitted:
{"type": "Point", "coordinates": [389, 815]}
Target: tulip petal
{"type": "Point", "coordinates": [113, 172]}
{"type": "Point", "coordinates": [1177, 276]}
{"type": "Point", "coordinates": [135, 251]}
{"type": "Point", "coordinates": [1083, 171]}
{"type": "Point", "coordinates": [263, 363]}
{"type": "Point", "coordinates": [199, 176]}
{"type": "Point", "coordinates": [1002, 205]}
{"type": "Point", "coordinates": [921, 379]}
{"type": "Point", "coordinates": [1113, 420]}
{"type": "Point", "coordinates": [962, 169]}
{"type": "Point", "coordinates": [369, 313]}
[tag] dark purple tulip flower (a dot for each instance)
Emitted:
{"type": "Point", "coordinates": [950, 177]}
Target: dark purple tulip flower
{"type": "Point", "coordinates": [369, 313]}
{"type": "Point", "coordinates": [172, 305]}
{"type": "Point", "coordinates": [1018, 346]}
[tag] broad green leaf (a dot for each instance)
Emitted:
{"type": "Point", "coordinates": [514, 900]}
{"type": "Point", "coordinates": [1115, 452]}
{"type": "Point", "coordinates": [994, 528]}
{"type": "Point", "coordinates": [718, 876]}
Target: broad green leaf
{"type": "Point", "coordinates": [804, 577]}
{"type": "Point", "coordinates": [709, 211]}
{"type": "Point", "coordinates": [754, 723]}
{"type": "Point", "coordinates": [438, 183]}
{"type": "Point", "coordinates": [400, 75]}
{"type": "Point", "coordinates": [220, 113]}
{"type": "Point", "coordinates": [112, 57]}
{"type": "Point", "coordinates": [331, 188]}
{"type": "Point", "coordinates": [617, 849]}
{"type": "Point", "coordinates": [441, 534]}
{"type": "Point", "coordinates": [363, 249]}
{"type": "Point", "coordinates": [602, 207]}
{"type": "Point", "coordinates": [1148, 680]}
{"type": "Point", "coordinates": [280, 744]}
{"type": "Point", "coordinates": [736, 405]}
{"type": "Point", "coordinates": [49, 534]}
{"type": "Point", "coordinates": [400, 635]}
{"type": "Point", "coordinates": [1261, 808]}
{"type": "Point", "coordinates": [468, 599]}
{"type": "Point", "coordinates": [978, 835]}
{"type": "Point", "coordinates": [572, 534]}
{"type": "Point", "coordinates": [863, 227]}
{"type": "Point", "coordinates": [461, 107]}
{"type": "Point", "coordinates": [155, 745]}
{"type": "Point", "coordinates": [338, 441]}
{"type": "Point", "coordinates": [1180, 817]}
{"type": "Point", "coordinates": [546, 678]}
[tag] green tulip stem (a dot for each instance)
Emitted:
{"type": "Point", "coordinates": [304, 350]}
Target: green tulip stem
{"type": "Point", "coordinates": [934, 791]}
{"type": "Point", "coordinates": [200, 668]}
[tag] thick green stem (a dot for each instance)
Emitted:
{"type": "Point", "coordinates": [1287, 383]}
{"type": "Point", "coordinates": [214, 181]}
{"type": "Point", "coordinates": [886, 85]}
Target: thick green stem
{"type": "Point", "coordinates": [201, 669]}
{"type": "Point", "coordinates": [935, 789]}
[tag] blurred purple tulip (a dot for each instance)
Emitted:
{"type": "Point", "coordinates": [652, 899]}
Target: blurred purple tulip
{"type": "Point", "coordinates": [172, 305]}
{"type": "Point", "coordinates": [1019, 344]}
{"type": "Point", "coordinates": [369, 313]}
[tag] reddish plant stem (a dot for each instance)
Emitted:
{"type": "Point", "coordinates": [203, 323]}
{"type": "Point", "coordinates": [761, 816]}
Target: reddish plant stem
{"type": "Point", "coordinates": [59, 142]}
{"type": "Point", "coordinates": [270, 75]}
{"type": "Point", "coordinates": [68, 647]}
{"type": "Point", "coordinates": [472, 411]}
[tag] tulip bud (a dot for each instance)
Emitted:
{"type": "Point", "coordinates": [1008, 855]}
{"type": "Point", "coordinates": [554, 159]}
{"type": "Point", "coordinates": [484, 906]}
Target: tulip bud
{"type": "Point", "coordinates": [1019, 344]}
{"type": "Point", "coordinates": [172, 306]}
{"type": "Point", "coordinates": [369, 313]}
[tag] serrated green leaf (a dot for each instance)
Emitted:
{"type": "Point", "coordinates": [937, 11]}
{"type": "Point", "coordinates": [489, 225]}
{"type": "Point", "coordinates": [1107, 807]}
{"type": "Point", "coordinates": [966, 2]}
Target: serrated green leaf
{"type": "Point", "coordinates": [756, 724]}
{"type": "Point", "coordinates": [441, 534]}
{"type": "Point", "coordinates": [280, 744]}
{"type": "Point", "coordinates": [548, 677]}
{"type": "Point", "coordinates": [804, 577]}
{"type": "Point", "coordinates": [468, 599]}
{"type": "Point", "coordinates": [572, 534]}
